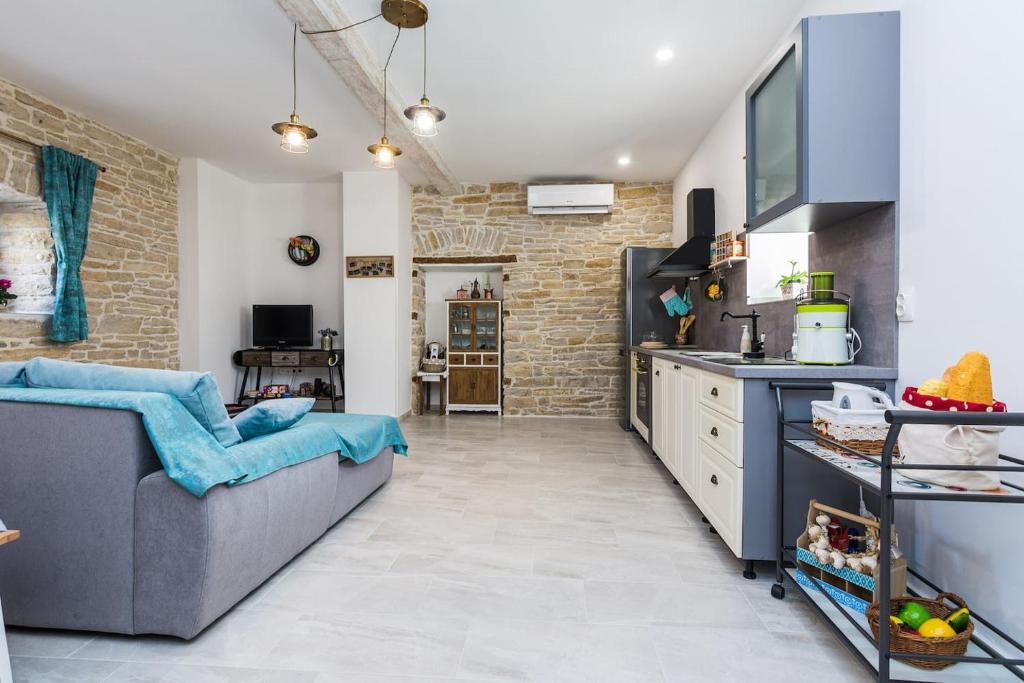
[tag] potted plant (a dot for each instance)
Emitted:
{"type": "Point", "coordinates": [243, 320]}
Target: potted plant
{"type": "Point", "coordinates": [327, 336]}
{"type": "Point", "coordinates": [787, 282]}
{"type": "Point", "coordinates": [5, 295]}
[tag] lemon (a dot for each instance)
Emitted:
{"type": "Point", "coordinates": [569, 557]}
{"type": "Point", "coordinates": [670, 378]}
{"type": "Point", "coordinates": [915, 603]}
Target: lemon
{"type": "Point", "coordinates": [936, 628]}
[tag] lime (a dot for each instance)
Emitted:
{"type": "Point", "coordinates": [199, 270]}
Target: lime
{"type": "Point", "coordinates": [959, 619]}
{"type": "Point", "coordinates": [914, 614]}
{"type": "Point", "coordinates": [936, 628]}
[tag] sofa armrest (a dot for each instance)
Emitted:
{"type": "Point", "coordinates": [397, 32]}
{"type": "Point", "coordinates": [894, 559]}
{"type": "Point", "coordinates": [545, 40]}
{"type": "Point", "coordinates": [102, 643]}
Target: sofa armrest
{"type": "Point", "coordinates": [68, 476]}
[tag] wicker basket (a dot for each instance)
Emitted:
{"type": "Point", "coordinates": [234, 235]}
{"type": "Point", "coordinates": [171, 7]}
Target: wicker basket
{"type": "Point", "coordinates": [862, 430]}
{"type": "Point", "coordinates": [902, 641]}
{"type": "Point", "coordinates": [433, 366]}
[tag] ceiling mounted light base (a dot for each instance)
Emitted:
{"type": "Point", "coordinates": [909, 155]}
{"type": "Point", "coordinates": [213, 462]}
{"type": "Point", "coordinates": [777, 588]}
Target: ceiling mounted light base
{"type": "Point", "coordinates": [404, 13]}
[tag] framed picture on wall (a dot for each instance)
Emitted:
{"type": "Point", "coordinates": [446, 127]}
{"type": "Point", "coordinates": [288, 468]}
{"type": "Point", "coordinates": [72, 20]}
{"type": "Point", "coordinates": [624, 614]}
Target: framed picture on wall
{"type": "Point", "coordinates": [370, 266]}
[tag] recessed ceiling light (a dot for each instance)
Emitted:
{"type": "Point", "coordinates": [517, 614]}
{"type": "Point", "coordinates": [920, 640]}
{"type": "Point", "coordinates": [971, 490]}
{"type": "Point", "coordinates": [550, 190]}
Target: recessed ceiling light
{"type": "Point", "coordinates": [625, 161]}
{"type": "Point", "coordinates": [664, 54]}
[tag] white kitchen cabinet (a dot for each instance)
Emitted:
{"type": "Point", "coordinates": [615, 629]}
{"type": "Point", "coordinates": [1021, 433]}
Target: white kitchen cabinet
{"type": "Point", "coordinates": [716, 434]}
{"type": "Point", "coordinates": [720, 495]}
{"type": "Point", "coordinates": [688, 380]}
{"type": "Point", "coordinates": [661, 412]}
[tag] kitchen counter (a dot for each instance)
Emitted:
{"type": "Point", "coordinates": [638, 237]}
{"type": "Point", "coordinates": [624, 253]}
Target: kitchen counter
{"type": "Point", "coordinates": [793, 371]}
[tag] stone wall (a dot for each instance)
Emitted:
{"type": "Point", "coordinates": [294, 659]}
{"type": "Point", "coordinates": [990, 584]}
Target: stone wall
{"type": "Point", "coordinates": [563, 295]}
{"type": "Point", "coordinates": [130, 271]}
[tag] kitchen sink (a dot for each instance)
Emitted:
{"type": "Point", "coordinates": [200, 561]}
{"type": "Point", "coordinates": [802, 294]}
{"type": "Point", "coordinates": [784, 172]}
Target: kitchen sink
{"type": "Point", "coordinates": [712, 354]}
{"type": "Point", "coordinates": [739, 360]}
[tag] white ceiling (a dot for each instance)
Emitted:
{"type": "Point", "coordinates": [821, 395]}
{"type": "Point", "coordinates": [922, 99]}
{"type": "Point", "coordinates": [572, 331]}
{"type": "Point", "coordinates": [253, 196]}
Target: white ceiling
{"type": "Point", "coordinates": [534, 89]}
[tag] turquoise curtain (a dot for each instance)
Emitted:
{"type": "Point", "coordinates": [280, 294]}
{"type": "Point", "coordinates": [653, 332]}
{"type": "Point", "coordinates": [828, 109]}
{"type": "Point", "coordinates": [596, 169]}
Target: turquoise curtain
{"type": "Point", "coordinates": [68, 184]}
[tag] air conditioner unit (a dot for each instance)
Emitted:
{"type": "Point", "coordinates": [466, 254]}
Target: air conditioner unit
{"type": "Point", "coordinates": [570, 199]}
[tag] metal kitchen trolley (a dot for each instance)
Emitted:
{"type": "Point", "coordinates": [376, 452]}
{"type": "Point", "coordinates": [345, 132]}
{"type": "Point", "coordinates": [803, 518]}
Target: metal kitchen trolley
{"type": "Point", "coordinates": [798, 437]}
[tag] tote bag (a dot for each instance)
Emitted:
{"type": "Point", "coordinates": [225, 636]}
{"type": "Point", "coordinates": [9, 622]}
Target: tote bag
{"type": "Point", "coordinates": [949, 445]}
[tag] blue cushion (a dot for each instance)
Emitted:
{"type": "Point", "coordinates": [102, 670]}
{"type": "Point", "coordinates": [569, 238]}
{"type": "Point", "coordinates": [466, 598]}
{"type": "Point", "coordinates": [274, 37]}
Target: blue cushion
{"type": "Point", "coordinates": [197, 391]}
{"type": "Point", "coordinates": [12, 374]}
{"type": "Point", "coordinates": [271, 416]}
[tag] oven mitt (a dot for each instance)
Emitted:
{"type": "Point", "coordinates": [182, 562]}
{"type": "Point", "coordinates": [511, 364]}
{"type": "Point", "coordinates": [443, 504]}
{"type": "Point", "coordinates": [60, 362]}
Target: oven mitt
{"type": "Point", "coordinates": [674, 304]}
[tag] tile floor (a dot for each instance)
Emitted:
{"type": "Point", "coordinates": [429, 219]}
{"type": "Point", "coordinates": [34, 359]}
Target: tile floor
{"type": "Point", "coordinates": [523, 549]}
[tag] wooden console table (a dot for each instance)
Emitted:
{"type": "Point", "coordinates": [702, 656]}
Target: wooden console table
{"type": "Point", "coordinates": [6, 536]}
{"type": "Point", "coordinates": [292, 358]}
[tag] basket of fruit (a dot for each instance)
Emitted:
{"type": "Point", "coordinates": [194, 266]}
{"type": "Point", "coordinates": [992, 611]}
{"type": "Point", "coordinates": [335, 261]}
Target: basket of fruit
{"type": "Point", "coordinates": [926, 627]}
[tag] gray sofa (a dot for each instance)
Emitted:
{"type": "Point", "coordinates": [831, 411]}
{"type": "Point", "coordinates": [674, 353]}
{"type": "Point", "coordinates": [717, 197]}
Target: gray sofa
{"type": "Point", "coordinates": [109, 543]}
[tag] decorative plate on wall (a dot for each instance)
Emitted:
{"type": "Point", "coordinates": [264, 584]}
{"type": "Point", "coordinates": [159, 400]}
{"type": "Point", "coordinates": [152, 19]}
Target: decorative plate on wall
{"type": "Point", "coordinates": [303, 250]}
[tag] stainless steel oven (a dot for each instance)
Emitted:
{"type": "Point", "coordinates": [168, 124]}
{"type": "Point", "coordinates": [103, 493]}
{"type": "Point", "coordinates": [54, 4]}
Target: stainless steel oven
{"type": "Point", "coordinates": [640, 391]}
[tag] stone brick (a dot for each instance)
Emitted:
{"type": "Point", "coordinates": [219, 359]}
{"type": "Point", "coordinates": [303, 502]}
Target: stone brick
{"type": "Point", "coordinates": [636, 192]}
{"type": "Point", "coordinates": [130, 269]}
{"type": "Point", "coordinates": [471, 199]}
{"type": "Point", "coordinates": [564, 322]}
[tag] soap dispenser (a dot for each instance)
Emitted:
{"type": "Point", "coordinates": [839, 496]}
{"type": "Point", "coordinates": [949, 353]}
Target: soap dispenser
{"type": "Point", "coordinates": [745, 340]}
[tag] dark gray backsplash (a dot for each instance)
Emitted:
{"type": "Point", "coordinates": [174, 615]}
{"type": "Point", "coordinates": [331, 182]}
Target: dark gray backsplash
{"type": "Point", "coordinates": [862, 253]}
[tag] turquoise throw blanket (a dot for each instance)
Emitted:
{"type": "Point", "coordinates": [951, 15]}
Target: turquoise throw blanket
{"type": "Point", "coordinates": [193, 458]}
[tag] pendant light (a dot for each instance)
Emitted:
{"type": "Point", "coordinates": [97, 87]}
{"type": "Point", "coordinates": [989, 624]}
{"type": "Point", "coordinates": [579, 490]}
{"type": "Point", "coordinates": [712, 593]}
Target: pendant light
{"type": "Point", "coordinates": [295, 136]}
{"type": "Point", "coordinates": [424, 117]}
{"type": "Point", "coordinates": [384, 152]}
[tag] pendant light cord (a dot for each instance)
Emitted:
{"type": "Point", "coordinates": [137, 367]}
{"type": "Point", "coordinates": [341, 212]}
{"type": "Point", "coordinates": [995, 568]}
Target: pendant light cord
{"type": "Point", "coordinates": [424, 61]}
{"type": "Point", "coordinates": [343, 28]}
{"type": "Point", "coordinates": [386, 64]}
{"type": "Point", "coordinates": [295, 78]}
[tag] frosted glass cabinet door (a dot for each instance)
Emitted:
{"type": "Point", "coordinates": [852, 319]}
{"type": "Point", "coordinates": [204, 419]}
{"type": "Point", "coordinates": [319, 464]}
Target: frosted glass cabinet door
{"type": "Point", "coordinates": [774, 112]}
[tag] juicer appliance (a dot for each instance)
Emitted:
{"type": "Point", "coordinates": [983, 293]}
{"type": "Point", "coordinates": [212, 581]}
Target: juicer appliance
{"type": "Point", "coordinates": [822, 333]}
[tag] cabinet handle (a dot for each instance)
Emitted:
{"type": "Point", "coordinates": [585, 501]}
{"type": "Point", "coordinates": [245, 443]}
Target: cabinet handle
{"type": "Point", "coordinates": [714, 391]}
{"type": "Point", "coordinates": [714, 479]}
{"type": "Point", "coordinates": [658, 373]}
{"type": "Point", "coordinates": [714, 431]}
{"type": "Point", "coordinates": [676, 367]}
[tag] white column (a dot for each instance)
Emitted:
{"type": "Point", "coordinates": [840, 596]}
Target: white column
{"type": "Point", "coordinates": [376, 221]}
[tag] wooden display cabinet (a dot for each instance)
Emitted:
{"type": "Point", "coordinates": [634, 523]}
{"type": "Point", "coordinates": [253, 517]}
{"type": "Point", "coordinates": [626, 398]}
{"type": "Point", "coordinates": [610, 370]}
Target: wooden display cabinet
{"type": "Point", "coordinates": [474, 355]}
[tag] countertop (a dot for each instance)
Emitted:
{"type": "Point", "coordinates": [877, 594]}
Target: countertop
{"type": "Point", "coordinates": [795, 371]}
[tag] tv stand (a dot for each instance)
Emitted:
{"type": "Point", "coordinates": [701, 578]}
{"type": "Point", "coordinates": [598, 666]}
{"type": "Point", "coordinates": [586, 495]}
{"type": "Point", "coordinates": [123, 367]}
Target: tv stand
{"type": "Point", "coordinates": [292, 358]}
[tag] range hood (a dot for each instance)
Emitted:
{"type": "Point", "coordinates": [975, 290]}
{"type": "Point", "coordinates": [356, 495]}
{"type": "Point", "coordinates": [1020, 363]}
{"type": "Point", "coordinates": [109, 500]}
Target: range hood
{"type": "Point", "coordinates": [692, 257]}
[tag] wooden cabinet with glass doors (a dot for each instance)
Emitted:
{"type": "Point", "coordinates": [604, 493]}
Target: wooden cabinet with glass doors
{"type": "Point", "coordinates": [474, 355]}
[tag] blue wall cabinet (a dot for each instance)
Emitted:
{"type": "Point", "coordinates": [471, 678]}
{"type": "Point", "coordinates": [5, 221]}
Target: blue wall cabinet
{"type": "Point", "coordinates": [823, 124]}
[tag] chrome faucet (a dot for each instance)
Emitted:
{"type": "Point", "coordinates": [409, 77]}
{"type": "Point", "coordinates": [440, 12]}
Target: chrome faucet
{"type": "Point", "coordinates": [756, 341]}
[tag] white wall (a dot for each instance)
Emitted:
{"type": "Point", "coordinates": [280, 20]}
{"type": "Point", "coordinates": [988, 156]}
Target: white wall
{"type": "Point", "coordinates": [718, 163]}
{"type": "Point", "coordinates": [216, 293]}
{"type": "Point", "coordinates": [376, 221]}
{"type": "Point", "coordinates": [232, 254]}
{"type": "Point", "coordinates": [960, 179]}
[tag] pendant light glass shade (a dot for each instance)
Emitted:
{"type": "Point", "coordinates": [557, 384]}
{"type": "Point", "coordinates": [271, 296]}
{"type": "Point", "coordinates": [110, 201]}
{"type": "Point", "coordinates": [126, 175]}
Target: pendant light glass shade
{"type": "Point", "coordinates": [424, 118]}
{"type": "Point", "coordinates": [384, 153]}
{"type": "Point", "coordinates": [295, 135]}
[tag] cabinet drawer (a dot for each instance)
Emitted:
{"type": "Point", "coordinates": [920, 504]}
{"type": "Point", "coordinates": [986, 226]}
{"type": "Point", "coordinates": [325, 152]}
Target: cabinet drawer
{"type": "Point", "coordinates": [456, 359]}
{"type": "Point", "coordinates": [490, 359]}
{"type": "Point", "coordinates": [720, 496]}
{"type": "Point", "coordinates": [315, 359]}
{"type": "Point", "coordinates": [284, 358]}
{"type": "Point", "coordinates": [721, 432]}
{"type": "Point", "coordinates": [252, 358]}
{"type": "Point", "coordinates": [472, 359]}
{"type": "Point", "coordinates": [724, 394]}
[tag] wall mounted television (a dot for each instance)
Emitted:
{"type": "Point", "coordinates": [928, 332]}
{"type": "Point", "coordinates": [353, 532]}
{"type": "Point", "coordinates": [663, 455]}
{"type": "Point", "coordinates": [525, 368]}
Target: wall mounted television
{"type": "Point", "coordinates": [282, 326]}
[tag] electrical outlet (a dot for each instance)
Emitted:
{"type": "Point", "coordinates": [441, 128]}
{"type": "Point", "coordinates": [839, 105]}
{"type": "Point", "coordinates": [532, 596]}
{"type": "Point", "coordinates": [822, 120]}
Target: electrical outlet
{"type": "Point", "coordinates": [905, 305]}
